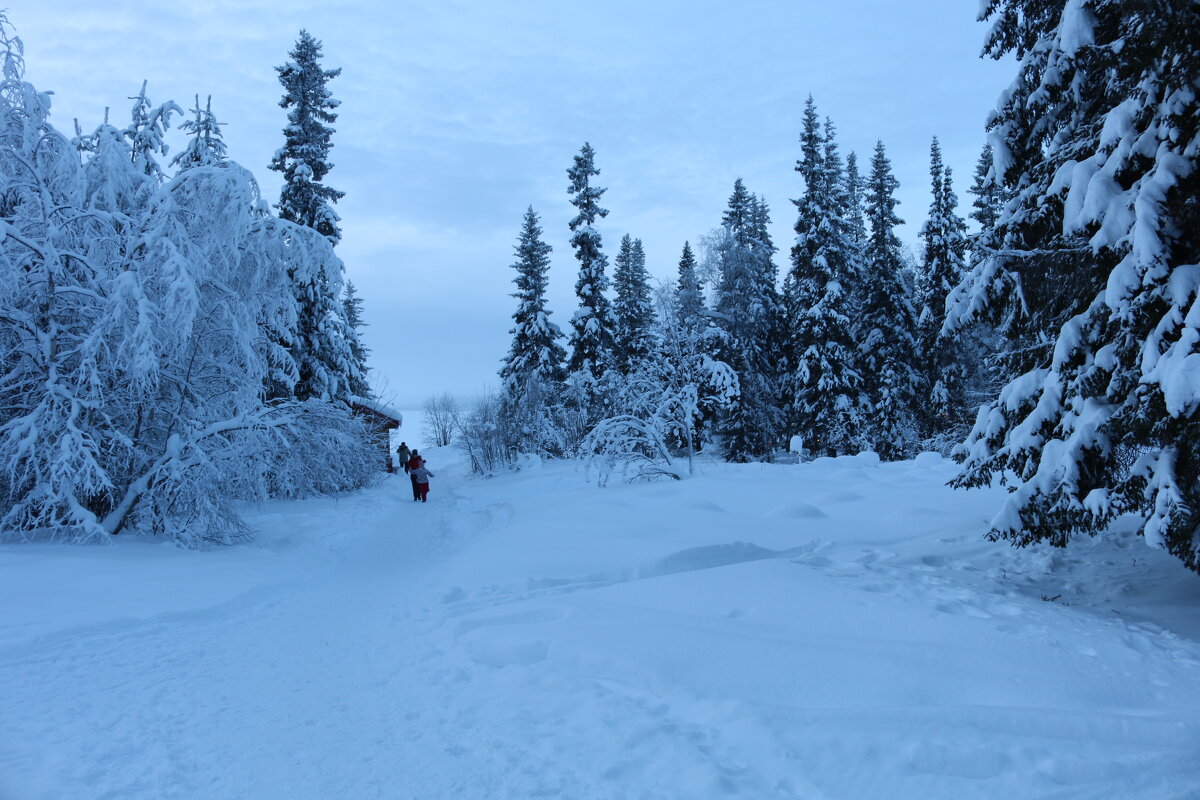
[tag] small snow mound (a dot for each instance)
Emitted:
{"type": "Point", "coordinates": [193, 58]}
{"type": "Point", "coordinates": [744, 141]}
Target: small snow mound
{"type": "Point", "coordinates": [496, 652]}
{"type": "Point", "coordinates": [529, 462]}
{"type": "Point", "coordinates": [708, 557]}
{"type": "Point", "coordinates": [798, 511]}
{"type": "Point", "coordinates": [928, 459]}
{"type": "Point", "coordinates": [844, 496]}
{"type": "Point", "coordinates": [868, 458]}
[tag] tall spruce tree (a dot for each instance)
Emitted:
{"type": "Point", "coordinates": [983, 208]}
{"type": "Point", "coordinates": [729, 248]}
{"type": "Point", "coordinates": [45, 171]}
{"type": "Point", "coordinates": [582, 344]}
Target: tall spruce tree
{"type": "Point", "coordinates": [942, 358]}
{"type": "Point", "coordinates": [887, 349]}
{"type": "Point", "coordinates": [535, 352]}
{"type": "Point", "coordinates": [533, 370]}
{"type": "Point", "coordinates": [321, 341]}
{"type": "Point", "coordinates": [1098, 137]}
{"type": "Point", "coordinates": [352, 310]}
{"type": "Point", "coordinates": [689, 291]}
{"type": "Point", "coordinates": [988, 191]}
{"type": "Point", "coordinates": [824, 382]}
{"type": "Point", "coordinates": [633, 309]}
{"type": "Point", "coordinates": [771, 351]}
{"type": "Point", "coordinates": [854, 201]}
{"type": "Point", "coordinates": [591, 326]}
{"type": "Point", "coordinates": [748, 307]}
{"type": "Point", "coordinates": [308, 137]}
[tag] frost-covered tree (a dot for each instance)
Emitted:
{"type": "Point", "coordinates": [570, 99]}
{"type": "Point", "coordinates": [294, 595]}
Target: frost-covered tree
{"type": "Point", "coordinates": [988, 191]}
{"type": "Point", "coordinates": [308, 137]}
{"type": "Point", "coordinates": [662, 402]}
{"type": "Point", "coordinates": [147, 131]}
{"type": "Point", "coordinates": [131, 348]}
{"type": "Point", "coordinates": [1098, 137]}
{"type": "Point", "coordinates": [205, 146]}
{"type": "Point", "coordinates": [887, 350]}
{"type": "Point", "coordinates": [633, 308]}
{"type": "Point", "coordinates": [533, 371]}
{"type": "Point", "coordinates": [772, 351]}
{"type": "Point", "coordinates": [824, 383]}
{"type": "Point", "coordinates": [855, 214]}
{"type": "Point", "coordinates": [535, 351]}
{"type": "Point", "coordinates": [689, 303]}
{"type": "Point", "coordinates": [352, 306]}
{"type": "Point", "coordinates": [747, 308]}
{"type": "Point", "coordinates": [591, 326]}
{"type": "Point", "coordinates": [326, 365]}
{"type": "Point", "coordinates": [321, 345]}
{"type": "Point", "coordinates": [108, 185]}
{"type": "Point", "coordinates": [942, 358]}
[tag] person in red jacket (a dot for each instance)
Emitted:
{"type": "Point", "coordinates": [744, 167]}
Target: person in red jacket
{"type": "Point", "coordinates": [414, 464]}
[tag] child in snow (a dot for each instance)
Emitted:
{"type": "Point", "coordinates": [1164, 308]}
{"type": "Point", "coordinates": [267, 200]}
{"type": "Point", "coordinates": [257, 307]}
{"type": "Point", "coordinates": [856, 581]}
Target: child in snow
{"type": "Point", "coordinates": [422, 476]}
{"type": "Point", "coordinates": [411, 466]}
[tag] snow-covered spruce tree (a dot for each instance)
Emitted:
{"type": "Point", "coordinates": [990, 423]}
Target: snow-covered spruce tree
{"type": "Point", "coordinates": [633, 309]}
{"type": "Point", "coordinates": [1098, 137]}
{"type": "Point", "coordinates": [825, 386]}
{"type": "Point", "coordinates": [838, 190]}
{"type": "Point", "coordinates": [352, 312]}
{"type": "Point", "coordinates": [308, 137]}
{"type": "Point", "coordinates": [689, 301]}
{"type": "Point", "coordinates": [147, 131]}
{"type": "Point", "coordinates": [321, 342]}
{"type": "Point", "coordinates": [662, 402]}
{"type": "Point", "coordinates": [533, 371]}
{"type": "Point", "coordinates": [942, 360]}
{"type": "Point", "coordinates": [746, 306]}
{"type": "Point", "coordinates": [205, 146]}
{"type": "Point", "coordinates": [855, 214]}
{"type": "Point", "coordinates": [988, 190]}
{"type": "Point", "coordinates": [591, 326]}
{"type": "Point", "coordinates": [773, 351]}
{"type": "Point", "coordinates": [886, 329]}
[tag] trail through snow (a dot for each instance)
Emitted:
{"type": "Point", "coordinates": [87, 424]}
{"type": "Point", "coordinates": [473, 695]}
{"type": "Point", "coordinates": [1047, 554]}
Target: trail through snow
{"type": "Point", "coordinates": [836, 629]}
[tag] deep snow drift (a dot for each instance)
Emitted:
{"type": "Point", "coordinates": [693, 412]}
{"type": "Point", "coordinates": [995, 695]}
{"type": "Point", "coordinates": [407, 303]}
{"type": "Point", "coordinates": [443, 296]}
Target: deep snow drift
{"type": "Point", "coordinates": [837, 629]}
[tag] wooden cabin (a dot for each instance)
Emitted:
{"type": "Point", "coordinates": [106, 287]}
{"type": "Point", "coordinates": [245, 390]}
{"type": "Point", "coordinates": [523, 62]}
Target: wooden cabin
{"type": "Point", "coordinates": [383, 420]}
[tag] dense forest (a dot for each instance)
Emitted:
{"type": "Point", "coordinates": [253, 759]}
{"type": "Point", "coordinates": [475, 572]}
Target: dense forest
{"type": "Point", "coordinates": [1055, 350]}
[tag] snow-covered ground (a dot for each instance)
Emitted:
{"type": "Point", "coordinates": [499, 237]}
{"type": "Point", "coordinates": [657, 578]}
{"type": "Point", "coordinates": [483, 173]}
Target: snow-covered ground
{"type": "Point", "coordinates": [836, 629]}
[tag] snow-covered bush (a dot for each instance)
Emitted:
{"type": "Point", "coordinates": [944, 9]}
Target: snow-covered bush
{"type": "Point", "coordinates": [661, 402]}
{"type": "Point", "coordinates": [486, 436]}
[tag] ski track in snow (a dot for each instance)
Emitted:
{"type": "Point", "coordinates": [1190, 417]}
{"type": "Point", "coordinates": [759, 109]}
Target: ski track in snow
{"type": "Point", "coordinates": [830, 630]}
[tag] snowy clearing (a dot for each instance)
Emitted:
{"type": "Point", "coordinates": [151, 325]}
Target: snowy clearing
{"type": "Point", "coordinates": [837, 629]}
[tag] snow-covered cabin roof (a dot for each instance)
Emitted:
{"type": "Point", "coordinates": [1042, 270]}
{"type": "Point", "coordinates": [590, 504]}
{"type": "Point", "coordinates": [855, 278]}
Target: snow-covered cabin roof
{"type": "Point", "coordinates": [393, 417]}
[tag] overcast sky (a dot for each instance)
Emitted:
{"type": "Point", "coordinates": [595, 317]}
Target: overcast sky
{"type": "Point", "coordinates": [456, 116]}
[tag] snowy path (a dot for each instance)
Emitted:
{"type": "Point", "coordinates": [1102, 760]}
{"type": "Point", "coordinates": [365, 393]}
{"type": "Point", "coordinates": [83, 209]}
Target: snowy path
{"type": "Point", "coordinates": [831, 630]}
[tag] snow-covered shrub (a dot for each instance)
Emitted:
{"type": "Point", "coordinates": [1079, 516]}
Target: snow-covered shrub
{"type": "Point", "coordinates": [661, 402]}
{"type": "Point", "coordinates": [486, 437]}
{"type": "Point", "coordinates": [438, 421]}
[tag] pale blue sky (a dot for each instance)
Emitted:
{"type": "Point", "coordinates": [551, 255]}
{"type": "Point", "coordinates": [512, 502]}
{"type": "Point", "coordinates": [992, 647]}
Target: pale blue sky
{"type": "Point", "coordinates": [457, 115]}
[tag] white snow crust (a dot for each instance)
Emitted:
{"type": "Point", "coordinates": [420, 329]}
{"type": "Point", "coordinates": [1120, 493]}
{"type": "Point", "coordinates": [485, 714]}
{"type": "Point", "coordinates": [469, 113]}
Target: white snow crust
{"type": "Point", "coordinates": [836, 629]}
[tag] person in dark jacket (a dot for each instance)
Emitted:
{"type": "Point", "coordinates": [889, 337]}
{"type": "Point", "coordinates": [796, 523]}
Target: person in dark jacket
{"type": "Point", "coordinates": [415, 462]}
{"type": "Point", "coordinates": [403, 454]}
